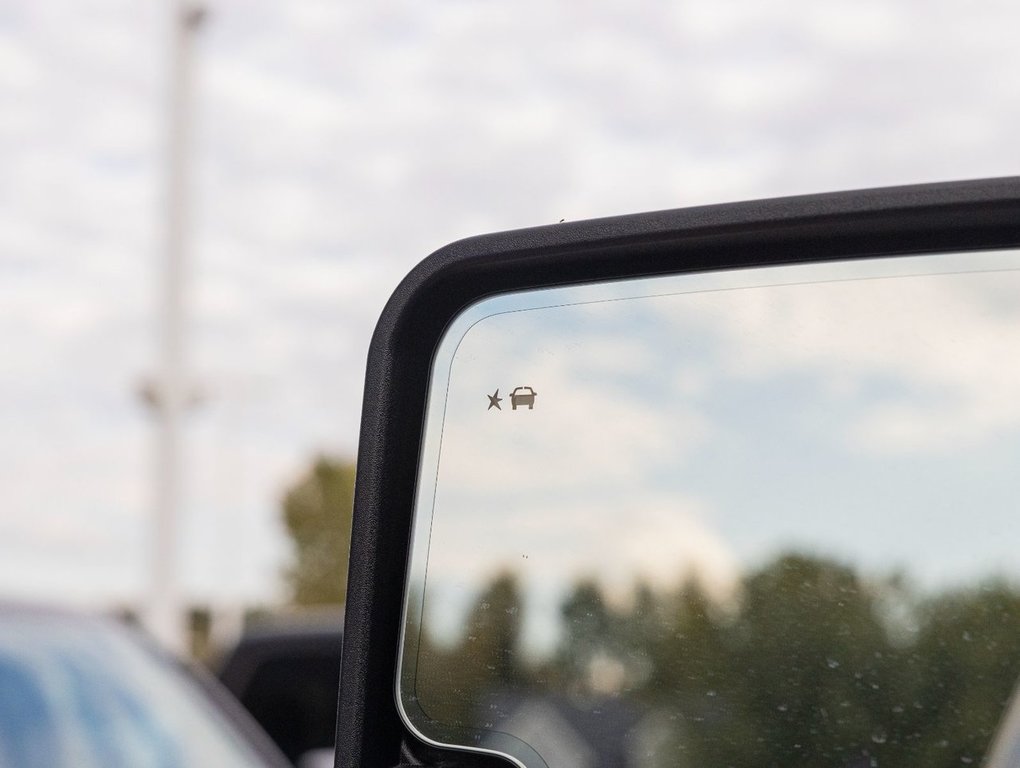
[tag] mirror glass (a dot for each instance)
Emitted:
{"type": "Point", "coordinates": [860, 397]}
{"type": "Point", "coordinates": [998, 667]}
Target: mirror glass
{"type": "Point", "coordinates": [761, 517]}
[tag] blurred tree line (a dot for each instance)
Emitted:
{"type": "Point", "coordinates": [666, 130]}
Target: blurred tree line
{"type": "Point", "coordinates": [811, 665]}
{"type": "Point", "coordinates": [317, 513]}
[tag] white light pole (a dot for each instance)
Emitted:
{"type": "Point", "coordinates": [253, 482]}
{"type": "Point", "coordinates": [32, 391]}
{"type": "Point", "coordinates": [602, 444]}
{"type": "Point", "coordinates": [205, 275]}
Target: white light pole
{"type": "Point", "coordinates": [170, 393]}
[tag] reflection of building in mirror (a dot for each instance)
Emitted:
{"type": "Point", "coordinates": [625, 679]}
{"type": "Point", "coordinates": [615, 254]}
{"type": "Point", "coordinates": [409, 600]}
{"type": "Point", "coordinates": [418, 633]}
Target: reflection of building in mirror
{"type": "Point", "coordinates": [599, 733]}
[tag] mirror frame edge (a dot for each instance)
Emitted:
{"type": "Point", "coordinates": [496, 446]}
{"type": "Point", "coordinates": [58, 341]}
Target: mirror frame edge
{"type": "Point", "coordinates": [970, 215]}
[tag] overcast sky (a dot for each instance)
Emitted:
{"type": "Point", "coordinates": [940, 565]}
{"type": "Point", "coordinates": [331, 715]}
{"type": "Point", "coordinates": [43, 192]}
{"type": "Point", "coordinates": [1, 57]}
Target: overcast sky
{"type": "Point", "coordinates": [336, 145]}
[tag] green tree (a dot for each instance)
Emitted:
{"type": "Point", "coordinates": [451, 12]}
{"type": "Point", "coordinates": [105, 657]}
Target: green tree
{"type": "Point", "coordinates": [588, 632]}
{"type": "Point", "coordinates": [817, 667]}
{"type": "Point", "coordinates": [317, 512]}
{"type": "Point", "coordinates": [969, 650]}
{"type": "Point", "coordinates": [457, 684]}
{"type": "Point", "coordinates": [695, 677]}
{"type": "Point", "coordinates": [811, 663]}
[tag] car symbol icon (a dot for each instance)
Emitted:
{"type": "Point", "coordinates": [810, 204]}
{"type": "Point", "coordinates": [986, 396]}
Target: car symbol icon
{"type": "Point", "coordinates": [523, 396]}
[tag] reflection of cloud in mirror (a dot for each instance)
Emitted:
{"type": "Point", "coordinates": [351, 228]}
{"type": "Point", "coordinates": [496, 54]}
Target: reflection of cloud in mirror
{"type": "Point", "coordinates": [660, 541]}
{"type": "Point", "coordinates": [585, 390]}
{"type": "Point", "coordinates": [948, 341]}
{"type": "Point", "coordinates": [711, 430]}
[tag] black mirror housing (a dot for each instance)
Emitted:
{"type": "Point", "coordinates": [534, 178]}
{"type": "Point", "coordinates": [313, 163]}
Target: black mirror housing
{"type": "Point", "coordinates": [869, 224]}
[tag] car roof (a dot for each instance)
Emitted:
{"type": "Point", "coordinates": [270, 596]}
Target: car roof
{"type": "Point", "coordinates": [20, 608]}
{"type": "Point", "coordinates": [303, 622]}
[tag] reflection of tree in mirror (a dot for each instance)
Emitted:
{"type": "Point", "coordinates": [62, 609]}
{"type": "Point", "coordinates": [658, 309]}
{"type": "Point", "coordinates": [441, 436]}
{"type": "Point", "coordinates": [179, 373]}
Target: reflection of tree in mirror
{"type": "Point", "coordinates": [590, 659]}
{"type": "Point", "coordinates": [808, 667]}
{"type": "Point", "coordinates": [485, 660]}
{"type": "Point", "coordinates": [968, 647]}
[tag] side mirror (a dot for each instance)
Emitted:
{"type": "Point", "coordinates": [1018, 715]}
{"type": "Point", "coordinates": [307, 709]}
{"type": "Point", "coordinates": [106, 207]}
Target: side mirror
{"type": "Point", "coordinates": [752, 502]}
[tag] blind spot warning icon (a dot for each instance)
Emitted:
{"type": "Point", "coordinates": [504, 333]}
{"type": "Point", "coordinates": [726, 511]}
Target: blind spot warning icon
{"type": "Point", "coordinates": [523, 396]}
{"type": "Point", "coordinates": [494, 401]}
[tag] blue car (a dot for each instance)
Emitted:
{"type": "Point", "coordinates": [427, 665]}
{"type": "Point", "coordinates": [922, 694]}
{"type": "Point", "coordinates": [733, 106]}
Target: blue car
{"type": "Point", "coordinates": [88, 692]}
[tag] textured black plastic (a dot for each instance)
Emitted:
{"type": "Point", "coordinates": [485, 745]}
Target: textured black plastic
{"type": "Point", "coordinates": [862, 224]}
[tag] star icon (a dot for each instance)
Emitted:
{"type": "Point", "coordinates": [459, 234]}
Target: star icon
{"type": "Point", "coordinates": [494, 401]}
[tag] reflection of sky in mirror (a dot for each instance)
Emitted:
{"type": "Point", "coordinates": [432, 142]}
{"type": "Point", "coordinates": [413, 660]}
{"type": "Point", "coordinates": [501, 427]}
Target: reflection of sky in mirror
{"type": "Point", "coordinates": [700, 434]}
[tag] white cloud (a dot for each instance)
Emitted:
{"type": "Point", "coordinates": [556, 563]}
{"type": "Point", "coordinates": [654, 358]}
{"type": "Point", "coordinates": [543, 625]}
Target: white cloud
{"type": "Point", "coordinates": [584, 400]}
{"type": "Point", "coordinates": [619, 541]}
{"type": "Point", "coordinates": [947, 340]}
{"type": "Point", "coordinates": [335, 146]}
{"type": "Point", "coordinates": [857, 26]}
